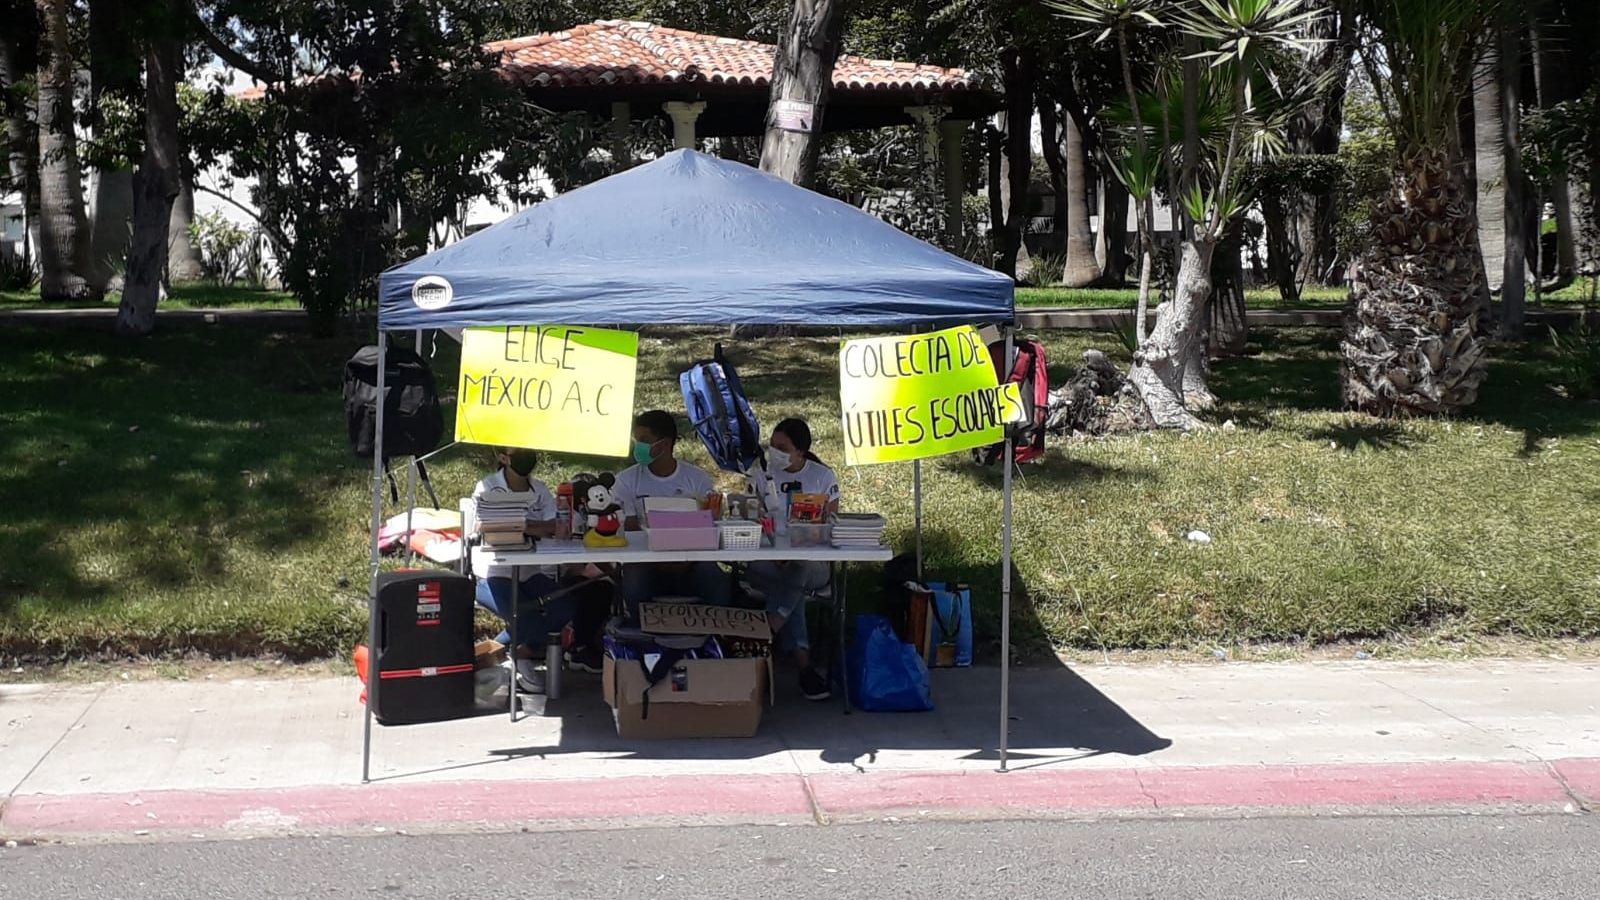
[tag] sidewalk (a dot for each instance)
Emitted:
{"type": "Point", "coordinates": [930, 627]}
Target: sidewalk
{"type": "Point", "coordinates": [284, 756]}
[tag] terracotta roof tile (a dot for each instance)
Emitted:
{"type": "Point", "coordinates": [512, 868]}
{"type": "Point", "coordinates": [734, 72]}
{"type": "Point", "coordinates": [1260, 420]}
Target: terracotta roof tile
{"type": "Point", "coordinates": [619, 52]}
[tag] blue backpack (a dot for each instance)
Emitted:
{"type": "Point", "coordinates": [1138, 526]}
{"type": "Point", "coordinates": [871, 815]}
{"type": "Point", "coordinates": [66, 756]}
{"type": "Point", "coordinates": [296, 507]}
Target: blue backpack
{"type": "Point", "coordinates": [721, 415]}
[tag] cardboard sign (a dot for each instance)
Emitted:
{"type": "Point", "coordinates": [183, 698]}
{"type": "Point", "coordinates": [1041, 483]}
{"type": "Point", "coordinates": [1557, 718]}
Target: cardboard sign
{"type": "Point", "coordinates": [691, 618]}
{"type": "Point", "coordinates": [922, 395]}
{"type": "Point", "coordinates": [548, 387]}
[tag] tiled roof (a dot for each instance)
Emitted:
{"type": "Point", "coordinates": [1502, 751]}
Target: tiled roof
{"type": "Point", "coordinates": [619, 52]}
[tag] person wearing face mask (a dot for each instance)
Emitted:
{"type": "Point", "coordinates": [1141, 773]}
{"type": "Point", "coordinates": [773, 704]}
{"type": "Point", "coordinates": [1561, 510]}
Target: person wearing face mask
{"type": "Point", "coordinates": [658, 473]}
{"type": "Point", "coordinates": [535, 619]}
{"type": "Point", "coordinates": [794, 469]}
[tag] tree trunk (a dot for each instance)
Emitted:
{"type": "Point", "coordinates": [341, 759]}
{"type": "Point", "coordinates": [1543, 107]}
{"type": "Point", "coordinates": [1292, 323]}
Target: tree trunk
{"type": "Point", "coordinates": [1016, 161]}
{"type": "Point", "coordinates": [1111, 243]}
{"type": "Point", "coordinates": [802, 74]}
{"type": "Point", "coordinates": [156, 183]}
{"type": "Point", "coordinates": [1165, 367]}
{"type": "Point", "coordinates": [1081, 269]}
{"type": "Point", "coordinates": [184, 263]}
{"type": "Point", "coordinates": [1412, 343]}
{"type": "Point", "coordinates": [1051, 143]}
{"type": "Point", "coordinates": [1488, 133]}
{"type": "Point", "coordinates": [1314, 221]}
{"type": "Point", "coordinates": [113, 73]}
{"type": "Point", "coordinates": [1552, 86]}
{"type": "Point", "coordinates": [994, 144]}
{"type": "Point", "coordinates": [1283, 254]}
{"type": "Point", "coordinates": [63, 227]}
{"type": "Point", "coordinates": [1228, 330]}
{"type": "Point", "coordinates": [22, 139]}
{"type": "Point", "coordinates": [1513, 285]}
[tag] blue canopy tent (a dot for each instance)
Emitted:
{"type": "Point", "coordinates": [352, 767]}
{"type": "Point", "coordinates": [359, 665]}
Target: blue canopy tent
{"type": "Point", "coordinates": [691, 239]}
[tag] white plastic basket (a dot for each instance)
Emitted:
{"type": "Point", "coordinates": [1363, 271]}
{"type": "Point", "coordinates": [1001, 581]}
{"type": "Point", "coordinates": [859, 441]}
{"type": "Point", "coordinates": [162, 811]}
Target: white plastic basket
{"type": "Point", "coordinates": [740, 535]}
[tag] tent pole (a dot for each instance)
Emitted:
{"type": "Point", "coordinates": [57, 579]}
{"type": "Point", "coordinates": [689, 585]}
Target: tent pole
{"type": "Point", "coordinates": [1009, 461]}
{"type": "Point", "coordinates": [916, 506]}
{"type": "Point", "coordinates": [411, 469]}
{"type": "Point", "coordinates": [372, 586]}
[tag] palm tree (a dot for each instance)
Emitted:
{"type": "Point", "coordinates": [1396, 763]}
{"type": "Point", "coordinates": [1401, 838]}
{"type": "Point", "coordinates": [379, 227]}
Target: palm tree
{"type": "Point", "coordinates": [1136, 169]}
{"type": "Point", "coordinates": [1414, 338]}
{"type": "Point", "coordinates": [64, 227]}
{"type": "Point", "coordinates": [1233, 111]}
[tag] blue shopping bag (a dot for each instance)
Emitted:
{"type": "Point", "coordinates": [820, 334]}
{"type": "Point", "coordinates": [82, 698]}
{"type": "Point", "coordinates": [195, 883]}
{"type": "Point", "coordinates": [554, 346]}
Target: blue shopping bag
{"type": "Point", "coordinates": [950, 624]}
{"type": "Point", "coordinates": [886, 673]}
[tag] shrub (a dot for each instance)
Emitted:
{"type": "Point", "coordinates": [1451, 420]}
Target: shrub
{"type": "Point", "coordinates": [222, 246]}
{"type": "Point", "coordinates": [1047, 269]}
{"type": "Point", "coordinates": [17, 274]}
{"type": "Point", "coordinates": [1578, 360]}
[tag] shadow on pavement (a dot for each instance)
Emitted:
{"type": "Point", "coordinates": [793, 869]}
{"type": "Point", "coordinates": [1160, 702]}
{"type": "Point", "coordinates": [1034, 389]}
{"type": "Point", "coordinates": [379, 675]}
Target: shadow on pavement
{"type": "Point", "coordinates": [1056, 717]}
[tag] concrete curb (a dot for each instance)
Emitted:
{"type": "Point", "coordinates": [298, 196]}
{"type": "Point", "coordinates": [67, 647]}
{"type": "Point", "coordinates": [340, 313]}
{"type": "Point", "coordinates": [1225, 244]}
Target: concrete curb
{"type": "Point", "coordinates": [1561, 786]}
{"type": "Point", "coordinates": [107, 318]}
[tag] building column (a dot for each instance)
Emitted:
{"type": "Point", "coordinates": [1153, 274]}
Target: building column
{"type": "Point", "coordinates": [950, 134]}
{"type": "Point", "coordinates": [621, 121]}
{"type": "Point", "coordinates": [683, 115]}
{"type": "Point", "coordinates": [927, 119]}
{"type": "Point", "coordinates": [941, 148]}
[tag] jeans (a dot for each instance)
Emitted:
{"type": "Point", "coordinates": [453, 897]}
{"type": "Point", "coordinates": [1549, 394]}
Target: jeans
{"type": "Point", "coordinates": [643, 582]}
{"type": "Point", "coordinates": [534, 619]}
{"type": "Point", "coordinates": [786, 586]}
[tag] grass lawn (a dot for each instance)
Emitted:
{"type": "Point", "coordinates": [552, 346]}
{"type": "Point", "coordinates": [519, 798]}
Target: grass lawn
{"type": "Point", "coordinates": [1313, 297]}
{"type": "Point", "coordinates": [194, 490]}
{"type": "Point", "coordinates": [184, 296]}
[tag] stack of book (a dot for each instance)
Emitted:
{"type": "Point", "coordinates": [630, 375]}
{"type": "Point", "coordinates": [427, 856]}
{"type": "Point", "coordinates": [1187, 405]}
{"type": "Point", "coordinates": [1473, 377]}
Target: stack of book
{"type": "Point", "coordinates": [858, 530]}
{"type": "Point", "coordinates": [502, 516]}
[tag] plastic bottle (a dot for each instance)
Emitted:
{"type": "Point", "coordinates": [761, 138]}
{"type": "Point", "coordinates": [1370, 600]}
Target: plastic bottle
{"type": "Point", "coordinates": [552, 666]}
{"type": "Point", "coordinates": [564, 511]}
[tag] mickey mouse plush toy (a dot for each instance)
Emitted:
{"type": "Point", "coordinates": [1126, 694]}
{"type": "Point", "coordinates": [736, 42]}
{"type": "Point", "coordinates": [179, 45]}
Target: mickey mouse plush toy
{"type": "Point", "coordinates": [601, 510]}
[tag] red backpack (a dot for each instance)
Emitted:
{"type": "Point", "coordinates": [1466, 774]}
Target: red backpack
{"type": "Point", "coordinates": [1028, 370]}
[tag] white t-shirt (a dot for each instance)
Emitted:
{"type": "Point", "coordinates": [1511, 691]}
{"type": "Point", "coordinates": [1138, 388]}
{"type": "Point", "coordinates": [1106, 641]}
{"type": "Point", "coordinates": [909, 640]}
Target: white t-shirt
{"type": "Point", "coordinates": [542, 510]}
{"type": "Point", "coordinates": [813, 478]}
{"type": "Point", "coordinates": [638, 482]}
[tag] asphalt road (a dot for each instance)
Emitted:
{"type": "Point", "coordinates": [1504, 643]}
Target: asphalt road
{"type": "Point", "coordinates": [1479, 857]}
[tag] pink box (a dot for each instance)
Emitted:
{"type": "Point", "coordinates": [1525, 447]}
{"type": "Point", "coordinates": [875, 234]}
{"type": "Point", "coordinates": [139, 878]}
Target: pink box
{"type": "Point", "coordinates": [682, 530]}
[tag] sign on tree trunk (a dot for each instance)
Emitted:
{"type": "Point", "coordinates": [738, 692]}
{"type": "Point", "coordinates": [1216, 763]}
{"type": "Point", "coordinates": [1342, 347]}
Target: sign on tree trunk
{"type": "Point", "coordinates": [802, 72]}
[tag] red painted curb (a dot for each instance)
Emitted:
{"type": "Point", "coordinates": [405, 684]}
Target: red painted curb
{"type": "Point", "coordinates": [437, 803]}
{"type": "Point", "coordinates": [1400, 784]}
{"type": "Point", "coordinates": [302, 809]}
{"type": "Point", "coordinates": [1582, 777]}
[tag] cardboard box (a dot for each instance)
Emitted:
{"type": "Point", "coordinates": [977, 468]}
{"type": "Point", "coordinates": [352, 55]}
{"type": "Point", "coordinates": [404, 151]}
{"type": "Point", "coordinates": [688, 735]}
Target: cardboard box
{"type": "Point", "coordinates": [669, 530]}
{"type": "Point", "coordinates": [699, 697]}
{"type": "Point", "coordinates": [488, 654]}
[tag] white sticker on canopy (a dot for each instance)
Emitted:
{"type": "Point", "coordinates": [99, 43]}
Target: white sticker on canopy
{"type": "Point", "coordinates": [432, 292]}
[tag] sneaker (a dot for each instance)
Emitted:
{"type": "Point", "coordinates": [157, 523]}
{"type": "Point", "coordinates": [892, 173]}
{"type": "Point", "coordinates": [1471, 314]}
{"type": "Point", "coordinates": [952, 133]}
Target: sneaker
{"type": "Point", "coordinates": [529, 679]}
{"type": "Point", "coordinates": [585, 659]}
{"type": "Point", "coordinates": [813, 685]}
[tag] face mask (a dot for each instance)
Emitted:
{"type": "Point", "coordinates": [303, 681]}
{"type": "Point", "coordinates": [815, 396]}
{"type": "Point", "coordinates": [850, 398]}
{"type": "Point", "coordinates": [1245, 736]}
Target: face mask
{"type": "Point", "coordinates": [523, 462]}
{"type": "Point", "coordinates": [777, 460]}
{"type": "Point", "coordinates": [642, 453]}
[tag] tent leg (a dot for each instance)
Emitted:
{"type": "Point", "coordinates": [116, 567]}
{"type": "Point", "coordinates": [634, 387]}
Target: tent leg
{"type": "Point", "coordinates": [411, 470]}
{"type": "Point", "coordinates": [916, 507]}
{"type": "Point", "coordinates": [511, 653]}
{"type": "Point", "coordinates": [372, 587]}
{"type": "Point", "coordinates": [841, 575]}
{"type": "Point", "coordinates": [1009, 461]}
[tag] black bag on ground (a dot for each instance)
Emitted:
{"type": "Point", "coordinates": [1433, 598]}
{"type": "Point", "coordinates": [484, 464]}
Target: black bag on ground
{"type": "Point", "coordinates": [412, 422]}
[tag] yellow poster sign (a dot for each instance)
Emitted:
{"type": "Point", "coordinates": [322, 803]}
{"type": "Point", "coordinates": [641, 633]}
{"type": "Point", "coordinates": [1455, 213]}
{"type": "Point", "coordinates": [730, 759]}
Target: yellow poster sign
{"type": "Point", "coordinates": [548, 387]}
{"type": "Point", "coordinates": [921, 395]}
